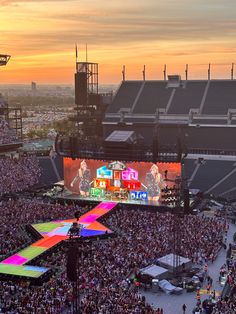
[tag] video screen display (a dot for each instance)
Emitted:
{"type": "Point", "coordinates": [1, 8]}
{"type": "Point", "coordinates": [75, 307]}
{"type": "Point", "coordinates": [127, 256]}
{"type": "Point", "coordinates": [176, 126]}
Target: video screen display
{"type": "Point", "coordinates": [136, 182]}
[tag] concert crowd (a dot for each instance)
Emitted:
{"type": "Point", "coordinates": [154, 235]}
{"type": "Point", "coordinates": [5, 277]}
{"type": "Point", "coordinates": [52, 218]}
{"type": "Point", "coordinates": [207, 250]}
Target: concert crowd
{"type": "Point", "coordinates": [105, 265]}
{"type": "Point", "coordinates": [18, 173]}
{"type": "Point", "coordinates": [228, 304]}
{"type": "Point", "coordinates": [28, 211]}
{"type": "Point", "coordinates": [6, 135]}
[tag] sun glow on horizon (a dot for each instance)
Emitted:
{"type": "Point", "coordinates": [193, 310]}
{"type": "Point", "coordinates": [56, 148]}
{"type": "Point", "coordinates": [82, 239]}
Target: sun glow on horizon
{"type": "Point", "coordinates": [41, 36]}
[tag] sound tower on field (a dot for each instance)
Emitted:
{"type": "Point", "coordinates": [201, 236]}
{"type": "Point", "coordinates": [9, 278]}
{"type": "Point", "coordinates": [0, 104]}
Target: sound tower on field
{"type": "Point", "coordinates": [87, 99]}
{"type": "Point", "coordinates": [187, 209]}
{"type": "Point", "coordinates": [71, 266]}
{"type": "Point", "coordinates": [81, 87]}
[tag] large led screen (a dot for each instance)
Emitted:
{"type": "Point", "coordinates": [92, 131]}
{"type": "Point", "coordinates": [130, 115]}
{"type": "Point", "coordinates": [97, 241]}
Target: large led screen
{"type": "Point", "coordinates": [136, 182]}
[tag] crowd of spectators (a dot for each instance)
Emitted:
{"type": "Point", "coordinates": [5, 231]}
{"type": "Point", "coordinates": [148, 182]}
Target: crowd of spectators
{"type": "Point", "coordinates": [6, 134]}
{"type": "Point", "coordinates": [18, 173]}
{"type": "Point", "coordinates": [28, 211]}
{"type": "Point", "coordinates": [227, 305]}
{"type": "Point", "coordinates": [106, 265]}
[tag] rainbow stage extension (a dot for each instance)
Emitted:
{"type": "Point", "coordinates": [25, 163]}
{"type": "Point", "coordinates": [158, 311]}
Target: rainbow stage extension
{"type": "Point", "coordinates": [52, 233]}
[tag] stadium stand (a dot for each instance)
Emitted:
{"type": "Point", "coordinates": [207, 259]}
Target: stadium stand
{"type": "Point", "coordinates": [48, 175]}
{"type": "Point", "coordinates": [202, 111]}
{"type": "Point", "coordinates": [6, 135]}
{"type": "Point", "coordinates": [210, 121]}
{"type": "Point", "coordinates": [3, 102]}
{"type": "Point", "coordinates": [153, 96]}
{"type": "Point", "coordinates": [59, 164]}
{"type": "Point", "coordinates": [18, 173]}
{"type": "Point", "coordinates": [125, 96]}
{"type": "Point", "coordinates": [189, 166]}
{"type": "Point", "coordinates": [101, 289]}
{"type": "Point", "coordinates": [220, 98]}
{"type": "Point", "coordinates": [210, 172]}
{"type": "Point", "coordinates": [227, 183]}
{"type": "Point", "coordinates": [187, 97]}
{"type": "Point", "coordinates": [229, 195]}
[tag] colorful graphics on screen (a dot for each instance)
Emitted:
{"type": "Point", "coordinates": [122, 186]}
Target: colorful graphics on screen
{"type": "Point", "coordinates": [53, 233]}
{"type": "Point", "coordinates": [136, 182]}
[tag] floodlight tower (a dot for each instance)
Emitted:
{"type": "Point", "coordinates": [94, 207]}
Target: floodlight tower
{"type": "Point", "coordinates": [13, 114]}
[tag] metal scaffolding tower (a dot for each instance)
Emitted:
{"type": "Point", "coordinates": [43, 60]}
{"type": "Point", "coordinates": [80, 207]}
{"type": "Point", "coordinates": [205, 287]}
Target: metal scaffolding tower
{"type": "Point", "coordinates": [13, 115]}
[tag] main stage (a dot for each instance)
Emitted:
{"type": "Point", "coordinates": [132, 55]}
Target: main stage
{"type": "Point", "coordinates": [68, 195]}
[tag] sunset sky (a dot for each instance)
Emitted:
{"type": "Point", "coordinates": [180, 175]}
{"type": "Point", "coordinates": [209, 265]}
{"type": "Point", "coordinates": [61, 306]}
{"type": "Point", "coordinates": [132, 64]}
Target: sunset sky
{"type": "Point", "coordinates": [41, 36]}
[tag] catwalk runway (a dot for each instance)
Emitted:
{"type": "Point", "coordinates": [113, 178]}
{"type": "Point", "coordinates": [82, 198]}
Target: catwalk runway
{"type": "Point", "coordinates": [53, 233]}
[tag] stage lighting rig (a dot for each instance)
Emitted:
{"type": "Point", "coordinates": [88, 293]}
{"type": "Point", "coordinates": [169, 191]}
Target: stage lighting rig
{"type": "Point", "coordinates": [4, 59]}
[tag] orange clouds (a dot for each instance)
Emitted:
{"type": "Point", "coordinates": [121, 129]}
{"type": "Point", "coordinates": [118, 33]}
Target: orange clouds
{"type": "Point", "coordinates": [40, 36]}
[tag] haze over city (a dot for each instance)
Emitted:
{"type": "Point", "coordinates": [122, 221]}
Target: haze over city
{"type": "Point", "coordinates": [41, 35]}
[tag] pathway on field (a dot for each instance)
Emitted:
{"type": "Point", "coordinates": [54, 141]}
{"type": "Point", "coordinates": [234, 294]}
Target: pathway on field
{"type": "Point", "coordinates": [172, 304]}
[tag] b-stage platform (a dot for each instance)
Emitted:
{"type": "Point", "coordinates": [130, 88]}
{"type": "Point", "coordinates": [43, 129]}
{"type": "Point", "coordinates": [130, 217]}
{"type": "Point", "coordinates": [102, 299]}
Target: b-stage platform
{"type": "Point", "coordinates": [52, 233]}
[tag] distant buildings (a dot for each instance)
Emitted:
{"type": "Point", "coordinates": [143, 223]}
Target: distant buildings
{"type": "Point", "coordinates": [33, 86]}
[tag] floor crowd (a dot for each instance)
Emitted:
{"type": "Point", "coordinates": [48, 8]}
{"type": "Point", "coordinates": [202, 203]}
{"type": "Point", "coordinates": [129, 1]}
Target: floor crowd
{"type": "Point", "coordinates": [105, 265]}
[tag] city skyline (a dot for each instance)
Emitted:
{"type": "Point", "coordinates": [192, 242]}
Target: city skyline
{"type": "Point", "coordinates": [41, 37]}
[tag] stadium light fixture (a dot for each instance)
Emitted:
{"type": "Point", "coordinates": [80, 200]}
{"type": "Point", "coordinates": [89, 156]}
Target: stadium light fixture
{"type": "Point", "coordinates": [4, 59]}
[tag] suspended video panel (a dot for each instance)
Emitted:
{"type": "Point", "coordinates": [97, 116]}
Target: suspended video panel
{"type": "Point", "coordinates": [135, 182]}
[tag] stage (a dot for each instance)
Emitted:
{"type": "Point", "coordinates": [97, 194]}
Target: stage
{"type": "Point", "coordinates": [138, 183]}
{"type": "Point", "coordinates": [68, 195]}
{"type": "Point", "coordinates": [52, 233]}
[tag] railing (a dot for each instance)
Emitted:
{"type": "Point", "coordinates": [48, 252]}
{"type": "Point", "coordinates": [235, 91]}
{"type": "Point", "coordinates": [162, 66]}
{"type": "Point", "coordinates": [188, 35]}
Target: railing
{"type": "Point", "coordinates": [212, 151]}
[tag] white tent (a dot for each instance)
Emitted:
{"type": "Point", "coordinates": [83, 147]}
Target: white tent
{"type": "Point", "coordinates": [154, 271]}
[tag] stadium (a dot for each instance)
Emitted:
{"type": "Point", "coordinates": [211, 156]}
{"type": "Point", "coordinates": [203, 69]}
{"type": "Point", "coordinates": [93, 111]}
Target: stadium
{"type": "Point", "coordinates": [133, 211]}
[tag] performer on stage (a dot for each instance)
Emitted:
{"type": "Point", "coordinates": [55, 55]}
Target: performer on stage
{"type": "Point", "coordinates": [154, 182]}
{"type": "Point", "coordinates": [83, 175]}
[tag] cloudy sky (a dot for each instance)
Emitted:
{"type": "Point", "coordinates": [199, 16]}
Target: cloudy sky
{"type": "Point", "coordinates": [41, 36]}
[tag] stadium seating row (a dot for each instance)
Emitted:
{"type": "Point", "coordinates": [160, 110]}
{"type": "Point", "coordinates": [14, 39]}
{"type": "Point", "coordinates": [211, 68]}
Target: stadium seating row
{"type": "Point", "coordinates": [215, 97]}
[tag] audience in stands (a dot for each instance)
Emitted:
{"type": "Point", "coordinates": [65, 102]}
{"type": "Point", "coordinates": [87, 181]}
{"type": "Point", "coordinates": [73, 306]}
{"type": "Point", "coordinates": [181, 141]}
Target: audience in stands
{"type": "Point", "coordinates": [227, 305]}
{"type": "Point", "coordinates": [105, 266]}
{"type": "Point", "coordinates": [7, 136]}
{"type": "Point", "coordinates": [18, 174]}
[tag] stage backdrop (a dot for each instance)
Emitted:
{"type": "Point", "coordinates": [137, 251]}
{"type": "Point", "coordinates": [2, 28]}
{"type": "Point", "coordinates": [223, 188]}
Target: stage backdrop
{"type": "Point", "coordinates": [131, 182]}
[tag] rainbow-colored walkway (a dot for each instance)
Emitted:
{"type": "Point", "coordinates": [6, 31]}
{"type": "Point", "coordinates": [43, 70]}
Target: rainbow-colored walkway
{"type": "Point", "coordinates": [52, 233]}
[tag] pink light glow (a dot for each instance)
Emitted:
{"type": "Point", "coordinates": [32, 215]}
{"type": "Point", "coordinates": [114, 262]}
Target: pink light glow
{"type": "Point", "coordinates": [15, 260]}
{"type": "Point", "coordinates": [96, 212]}
{"type": "Point", "coordinates": [108, 205]}
{"type": "Point", "coordinates": [130, 174]}
{"type": "Point", "coordinates": [89, 219]}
